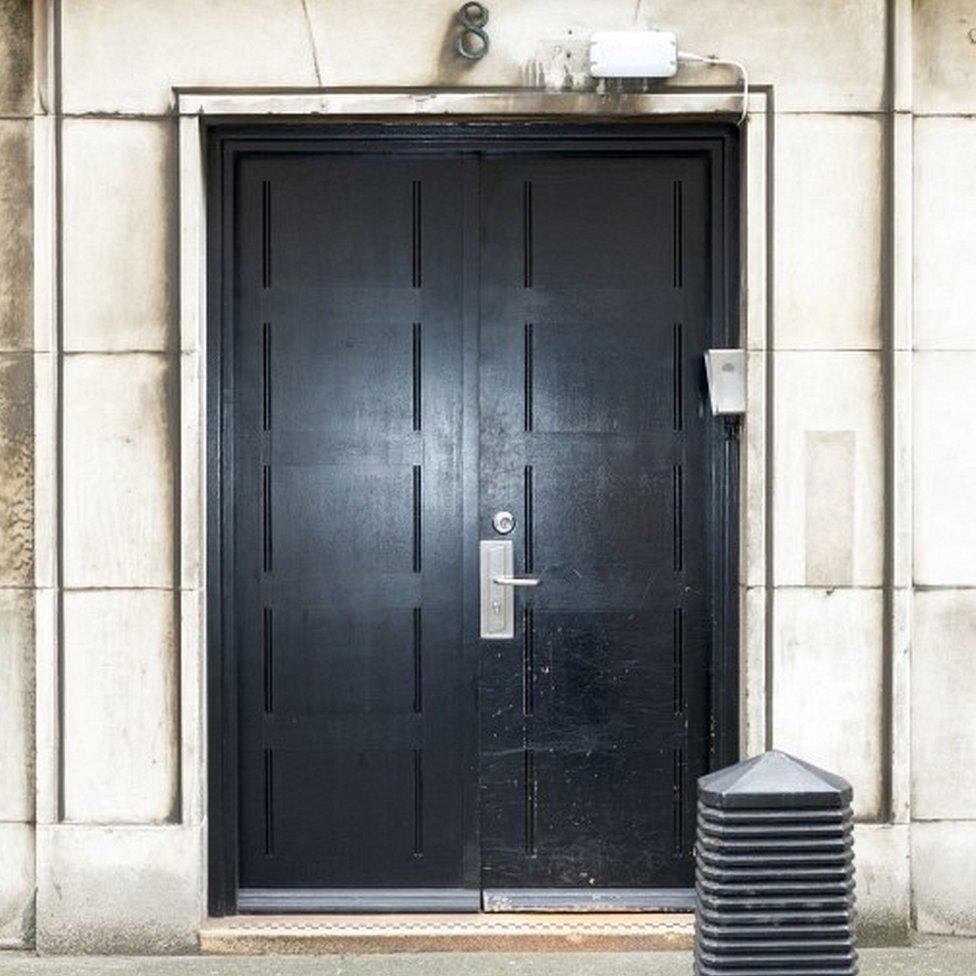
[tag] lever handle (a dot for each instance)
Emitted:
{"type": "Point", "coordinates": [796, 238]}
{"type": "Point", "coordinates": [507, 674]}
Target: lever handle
{"type": "Point", "coordinates": [516, 581]}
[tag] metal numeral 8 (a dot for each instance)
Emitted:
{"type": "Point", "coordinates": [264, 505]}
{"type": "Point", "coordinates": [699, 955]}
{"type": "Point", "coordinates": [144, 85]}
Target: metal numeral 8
{"type": "Point", "coordinates": [473, 18]}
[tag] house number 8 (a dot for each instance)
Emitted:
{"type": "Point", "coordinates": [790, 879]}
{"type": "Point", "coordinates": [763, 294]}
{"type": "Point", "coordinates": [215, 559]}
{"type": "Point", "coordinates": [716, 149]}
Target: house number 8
{"type": "Point", "coordinates": [472, 42]}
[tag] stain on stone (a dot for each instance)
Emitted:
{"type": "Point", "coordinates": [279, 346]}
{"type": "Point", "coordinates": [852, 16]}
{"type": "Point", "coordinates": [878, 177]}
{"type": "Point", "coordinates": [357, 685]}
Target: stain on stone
{"type": "Point", "coordinates": [16, 57]}
{"type": "Point", "coordinates": [881, 930]}
{"type": "Point", "coordinates": [16, 469]}
{"type": "Point", "coordinates": [829, 533]}
{"type": "Point", "coordinates": [16, 235]}
{"type": "Point", "coordinates": [28, 920]}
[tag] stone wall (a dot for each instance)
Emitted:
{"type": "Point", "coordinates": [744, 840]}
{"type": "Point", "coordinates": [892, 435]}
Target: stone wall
{"type": "Point", "coordinates": [943, 647]}
{"type": "Point", "coordinates": [869, 591]}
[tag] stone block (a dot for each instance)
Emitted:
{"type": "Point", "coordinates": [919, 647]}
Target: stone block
{"type": "Point", "coordinates": [120, 235]}
{"type": "Point", "coordinates": [827, 232]}
{"type": "Point", "coordinates": [945, 468]}
{"type": "Point", "coordinates": [944, 35]}
{"type": "Point", "coordinates": [128, 57]}
{"type": "Point", "coordinates": [945, 230]}
{"type": "Point", "coordinates": [120, 706]}
{"type": "Point", "coordinates": [826, 684]}
{"type": "Point", "coordinates": [133, 890]}
{"type": "Point", "coordinates": [16, 885]}
{"type": "Point", "coordinates": [119, 455]}
{"type": "Point", "coordinates": [883, 879]}
{"type": "Point", "coordinates": [944, 705]}
{"type": "Point", "coordinates": [16, 706]}
{"type": "Point", "coordinates": [944, 877]}
{"type": "Point", "coordinates": [828, 469]}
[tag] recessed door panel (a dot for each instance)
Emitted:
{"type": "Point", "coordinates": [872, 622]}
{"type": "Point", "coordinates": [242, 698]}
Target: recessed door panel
{"type": "Point", "coordinates": [347, 535]}
{"type": "Point", "coordinates": [593, 432]}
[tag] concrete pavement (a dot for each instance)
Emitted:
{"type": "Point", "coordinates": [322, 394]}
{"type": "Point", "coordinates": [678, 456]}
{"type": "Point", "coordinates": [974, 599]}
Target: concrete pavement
{"type": "Point", "coordinates": [948, 958]}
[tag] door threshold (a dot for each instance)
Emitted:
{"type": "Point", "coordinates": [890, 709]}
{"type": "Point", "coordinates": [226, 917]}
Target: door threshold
{"type": "Point", "coordinates": [343, 901]}
{"type": "Point", "coordinates": [588, 899]}
{"type": "Point", "coordinates": [442, 932]}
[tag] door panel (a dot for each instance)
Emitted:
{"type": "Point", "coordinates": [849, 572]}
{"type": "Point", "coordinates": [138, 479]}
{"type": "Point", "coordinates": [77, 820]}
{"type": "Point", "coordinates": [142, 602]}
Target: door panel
{"type": "Point", "coordinates": [347, 522]}
{"type": "Point", "coordinates": [594, 719]}
{"type": "Point", "coordinates": [421, 338]}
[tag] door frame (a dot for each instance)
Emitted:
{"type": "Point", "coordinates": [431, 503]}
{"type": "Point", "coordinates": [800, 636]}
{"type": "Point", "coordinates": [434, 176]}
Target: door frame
{"type": "Point", "coordinates": [224, 140]}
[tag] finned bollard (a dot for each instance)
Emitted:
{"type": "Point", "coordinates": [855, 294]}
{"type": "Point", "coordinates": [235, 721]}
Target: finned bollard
{"type": "Point", "coordinates": [774, 878]}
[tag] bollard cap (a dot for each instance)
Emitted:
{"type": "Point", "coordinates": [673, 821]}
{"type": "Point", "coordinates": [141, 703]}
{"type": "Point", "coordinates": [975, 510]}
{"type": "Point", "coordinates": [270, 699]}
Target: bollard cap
{"type": "Point", "coordinates": [774, 780]}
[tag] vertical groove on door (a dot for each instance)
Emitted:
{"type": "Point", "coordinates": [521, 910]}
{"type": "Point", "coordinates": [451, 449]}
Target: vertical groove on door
{"type": "Point", "coordinates": [417, 360]}
{"type": "Point", "coordinates": [677, 234]}
{"type": "Point", "coordinates": [268, 661]}
{"type": "Point", "coordinates": [269, 802]}
{"type": "Point", "coordinates": [678, 801]}
{"type": "Point", "coordinates": [417, 236]}
{"type": "Point", "coordinates": [530, 801]}
{"type": "Point", "coordinates": [266, 374]}
{"type": "Point", "coordinates": [418, 702]}
{"type": "Point", "coordinates": [528, 665]}
{"type": "Point", "coordinates": [266, 507]}
{"type": "Point", "coordinates": [417, 523]}
{"type": "Point", "coordinates": [528, 376]}
{"type": "Point", "coordinates": [527, 234]}
{"type": "Point", "coordinates": [678, 517]}
{"type": "Point", "coordinates": [678, 393]}
{"type": "Point", "coordinates": [266, 234]}
{"type": "Point", "coordinates": [679, 661]}
{"type": "Point", "coordinates": [527, 504]}
{"type": "Point", "coordinates": [418, 803]}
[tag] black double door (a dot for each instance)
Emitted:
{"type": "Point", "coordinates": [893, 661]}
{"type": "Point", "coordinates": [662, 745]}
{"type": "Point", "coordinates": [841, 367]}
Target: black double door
{"type": "Point", "coordinates": [421, 339]}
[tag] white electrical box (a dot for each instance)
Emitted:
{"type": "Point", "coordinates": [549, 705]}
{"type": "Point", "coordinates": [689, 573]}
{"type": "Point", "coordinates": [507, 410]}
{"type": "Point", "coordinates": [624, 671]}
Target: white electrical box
{"type": "Point", "coordinates": [725, 370]}
{"type": "Point", "coordinates": [634, 54]}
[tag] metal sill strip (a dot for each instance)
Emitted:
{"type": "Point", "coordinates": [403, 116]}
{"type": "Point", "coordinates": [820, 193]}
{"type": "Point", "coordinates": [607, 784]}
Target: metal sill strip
{"type": "Point", "coordinates": [363, 900]}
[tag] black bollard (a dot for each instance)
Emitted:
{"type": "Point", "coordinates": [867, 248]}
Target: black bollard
{"type": "Point", "coordinates": [774, 878]}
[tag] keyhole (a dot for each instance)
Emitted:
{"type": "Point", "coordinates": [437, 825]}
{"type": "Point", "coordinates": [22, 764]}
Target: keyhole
{"type": "Point", "coordinates": [503, 522]}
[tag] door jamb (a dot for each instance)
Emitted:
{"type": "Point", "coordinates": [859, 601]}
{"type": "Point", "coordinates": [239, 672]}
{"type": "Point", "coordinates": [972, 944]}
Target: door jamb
{"type": "Point", "coordinates": [223, 141]}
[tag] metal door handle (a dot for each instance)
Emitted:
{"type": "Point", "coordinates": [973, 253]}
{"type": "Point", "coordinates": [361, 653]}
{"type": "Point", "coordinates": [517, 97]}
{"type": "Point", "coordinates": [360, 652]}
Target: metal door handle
{"type": "Point", "coordinates": [516, 581]}
{"type": "Point", "coordinates": [497, 584]}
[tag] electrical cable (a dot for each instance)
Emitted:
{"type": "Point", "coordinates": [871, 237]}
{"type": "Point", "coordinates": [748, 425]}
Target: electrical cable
{"type": "Point", "coordinates": [728, 62]}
